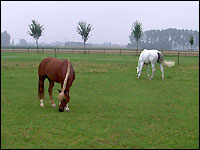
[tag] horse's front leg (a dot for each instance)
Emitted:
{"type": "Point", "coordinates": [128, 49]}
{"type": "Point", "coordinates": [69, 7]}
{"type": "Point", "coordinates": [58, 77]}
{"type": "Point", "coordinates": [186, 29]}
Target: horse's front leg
{"type": "Point", "coordinates": [66, 107]}
{"type": "Point", "coordinates": [153, 70]}
{"type": "Point", "coordinates": [68, 99]}
{"type": "Point", "coordinates": [51, 84]}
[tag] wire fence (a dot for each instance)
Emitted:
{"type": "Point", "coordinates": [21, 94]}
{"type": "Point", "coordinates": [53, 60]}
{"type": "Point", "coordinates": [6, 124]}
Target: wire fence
{"type": "Point", "coordinates": [105, 51]}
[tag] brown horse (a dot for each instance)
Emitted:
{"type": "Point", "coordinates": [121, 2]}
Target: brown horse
{"type": "Point", "coordinates": [59, 71]}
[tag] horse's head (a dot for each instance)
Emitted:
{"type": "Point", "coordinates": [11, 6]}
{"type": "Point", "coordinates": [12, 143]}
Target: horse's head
{"type": "Point", "coordinates": [64, 99]}
{"type": "Point", "coordinates": [138, 72]}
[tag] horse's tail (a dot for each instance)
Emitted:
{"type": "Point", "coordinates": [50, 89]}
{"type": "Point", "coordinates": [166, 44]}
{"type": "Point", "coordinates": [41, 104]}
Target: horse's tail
{"type": "Point", "coordinates": [169, 63]}
{"type": "Point", "coordinates": [166, 63]}
{"type": "Point", "coordinates": [160, 57]}
{"type": "Point", "coordinates": [61, 95]}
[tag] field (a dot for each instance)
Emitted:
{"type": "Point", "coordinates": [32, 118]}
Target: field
{"type": "Point", "coordinates": [109, 107]}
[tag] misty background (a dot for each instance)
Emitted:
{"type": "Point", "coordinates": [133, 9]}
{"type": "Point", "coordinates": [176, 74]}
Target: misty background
{"type": "Point", "coordinates": [165, 24]}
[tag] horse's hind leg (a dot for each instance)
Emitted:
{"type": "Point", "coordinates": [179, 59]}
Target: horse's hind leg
{"type": "Point", "coordinates": [51, 84]}
{"type": "Point", "coordinates": [153, 69]}
{"type": "Point", "coordinates": [148, 72]}
{"type": "Point", "coordinates": [162, 70]}
{"type": "Point", "coordinates": [41, 90]}
{"type": "Point", "coordinates": [66, 107]}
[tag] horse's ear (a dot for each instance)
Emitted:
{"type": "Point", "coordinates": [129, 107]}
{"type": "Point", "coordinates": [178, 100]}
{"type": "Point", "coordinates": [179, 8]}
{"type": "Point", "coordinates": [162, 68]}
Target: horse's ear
{"type": "Point", "coordinates": [59, 91]}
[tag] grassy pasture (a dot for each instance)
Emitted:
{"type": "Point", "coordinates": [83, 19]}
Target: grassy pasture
{"type": "Point", "coordinates": [109, 107]}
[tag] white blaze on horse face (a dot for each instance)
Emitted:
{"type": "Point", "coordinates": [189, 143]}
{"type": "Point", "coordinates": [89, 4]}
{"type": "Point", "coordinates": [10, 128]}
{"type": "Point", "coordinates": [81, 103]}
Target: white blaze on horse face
{"type": "Point", "coordinates": [59, 103]}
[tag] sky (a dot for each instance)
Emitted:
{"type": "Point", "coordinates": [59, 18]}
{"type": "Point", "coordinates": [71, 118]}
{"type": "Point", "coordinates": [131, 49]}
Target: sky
{"type": "Point", "coordinates": [111, 20]}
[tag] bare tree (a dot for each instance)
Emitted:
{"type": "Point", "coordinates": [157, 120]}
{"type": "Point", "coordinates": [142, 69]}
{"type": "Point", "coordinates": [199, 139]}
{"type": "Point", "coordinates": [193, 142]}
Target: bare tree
{"type": "Point", "coordinates": [137, 31]}
{"type": "Point", "coordinates": [84, 30]}
{"type": "Point", "coordinates": [35, 31]}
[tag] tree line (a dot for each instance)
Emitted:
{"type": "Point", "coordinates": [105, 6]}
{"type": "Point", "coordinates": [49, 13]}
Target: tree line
{"type": "Point", "coordinates": [169, 39]}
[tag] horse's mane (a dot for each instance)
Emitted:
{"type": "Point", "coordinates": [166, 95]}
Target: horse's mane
{"type": "Point", "coordinates": [66, 77]}
{"type": "Point", "coordinates": [61, 95]}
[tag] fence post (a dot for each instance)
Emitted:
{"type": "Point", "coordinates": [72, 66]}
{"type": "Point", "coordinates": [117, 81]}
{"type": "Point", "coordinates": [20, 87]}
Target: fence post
{"type": "Point", "coordinates": [55, 52]}
{"type": "Point", "coordinates": [178, 57]}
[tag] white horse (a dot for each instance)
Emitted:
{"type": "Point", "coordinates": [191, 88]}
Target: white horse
{"type": "Point", "coordinates": [152, 56]}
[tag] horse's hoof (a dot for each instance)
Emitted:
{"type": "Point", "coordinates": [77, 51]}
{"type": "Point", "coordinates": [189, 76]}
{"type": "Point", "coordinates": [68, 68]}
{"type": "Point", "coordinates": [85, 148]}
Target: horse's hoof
{"type": "Point", "coordinates": [53, 105]}
{"type": "Point", "coordinates": [41, 105]}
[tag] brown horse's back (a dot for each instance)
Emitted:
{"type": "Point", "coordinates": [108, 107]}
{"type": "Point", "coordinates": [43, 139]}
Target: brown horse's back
{"type": "Point", "coordinates": [52, 68]}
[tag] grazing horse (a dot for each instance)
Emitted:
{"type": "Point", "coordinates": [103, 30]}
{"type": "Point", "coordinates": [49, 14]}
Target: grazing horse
{"type": "Point", "coordinates": [59, 71]}
{"type": "Point", "coordinates": [152, 56]}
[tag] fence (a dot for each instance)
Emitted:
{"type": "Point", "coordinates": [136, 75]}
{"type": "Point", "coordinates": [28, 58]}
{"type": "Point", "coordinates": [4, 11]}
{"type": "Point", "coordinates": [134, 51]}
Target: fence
{"type": "Point", "coordinates": [121, 51]}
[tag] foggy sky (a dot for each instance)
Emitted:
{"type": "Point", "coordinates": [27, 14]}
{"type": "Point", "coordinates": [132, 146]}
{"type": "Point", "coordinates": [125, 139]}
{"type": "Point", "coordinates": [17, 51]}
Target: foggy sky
{"type": "Point", "coordinates": [111, 20]}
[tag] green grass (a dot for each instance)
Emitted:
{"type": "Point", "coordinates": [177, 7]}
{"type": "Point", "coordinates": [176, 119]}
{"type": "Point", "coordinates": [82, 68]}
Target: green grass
{"type": "Point", "coordinates": [109, 107]}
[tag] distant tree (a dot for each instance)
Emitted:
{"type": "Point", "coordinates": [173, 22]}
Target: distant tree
{"type": "Point", "coordinates": [132, 40]}
{"type": "Point", "coordinates": [65, 43]}
{"type": "Point", "coordinates": [137, 31]}
{"type": "Point", "coordinates": [84, 29]}
{"type": "Point", "coordinates": [5, 39]}
{"type": "Point", "coordinates": [22, 42]}
{"type": "Point", "coordinates": [35, 31]}
{"type": "Point", "coordinates": [191, 41]}
{"type": "Point", "coordinates": [13, 43]}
